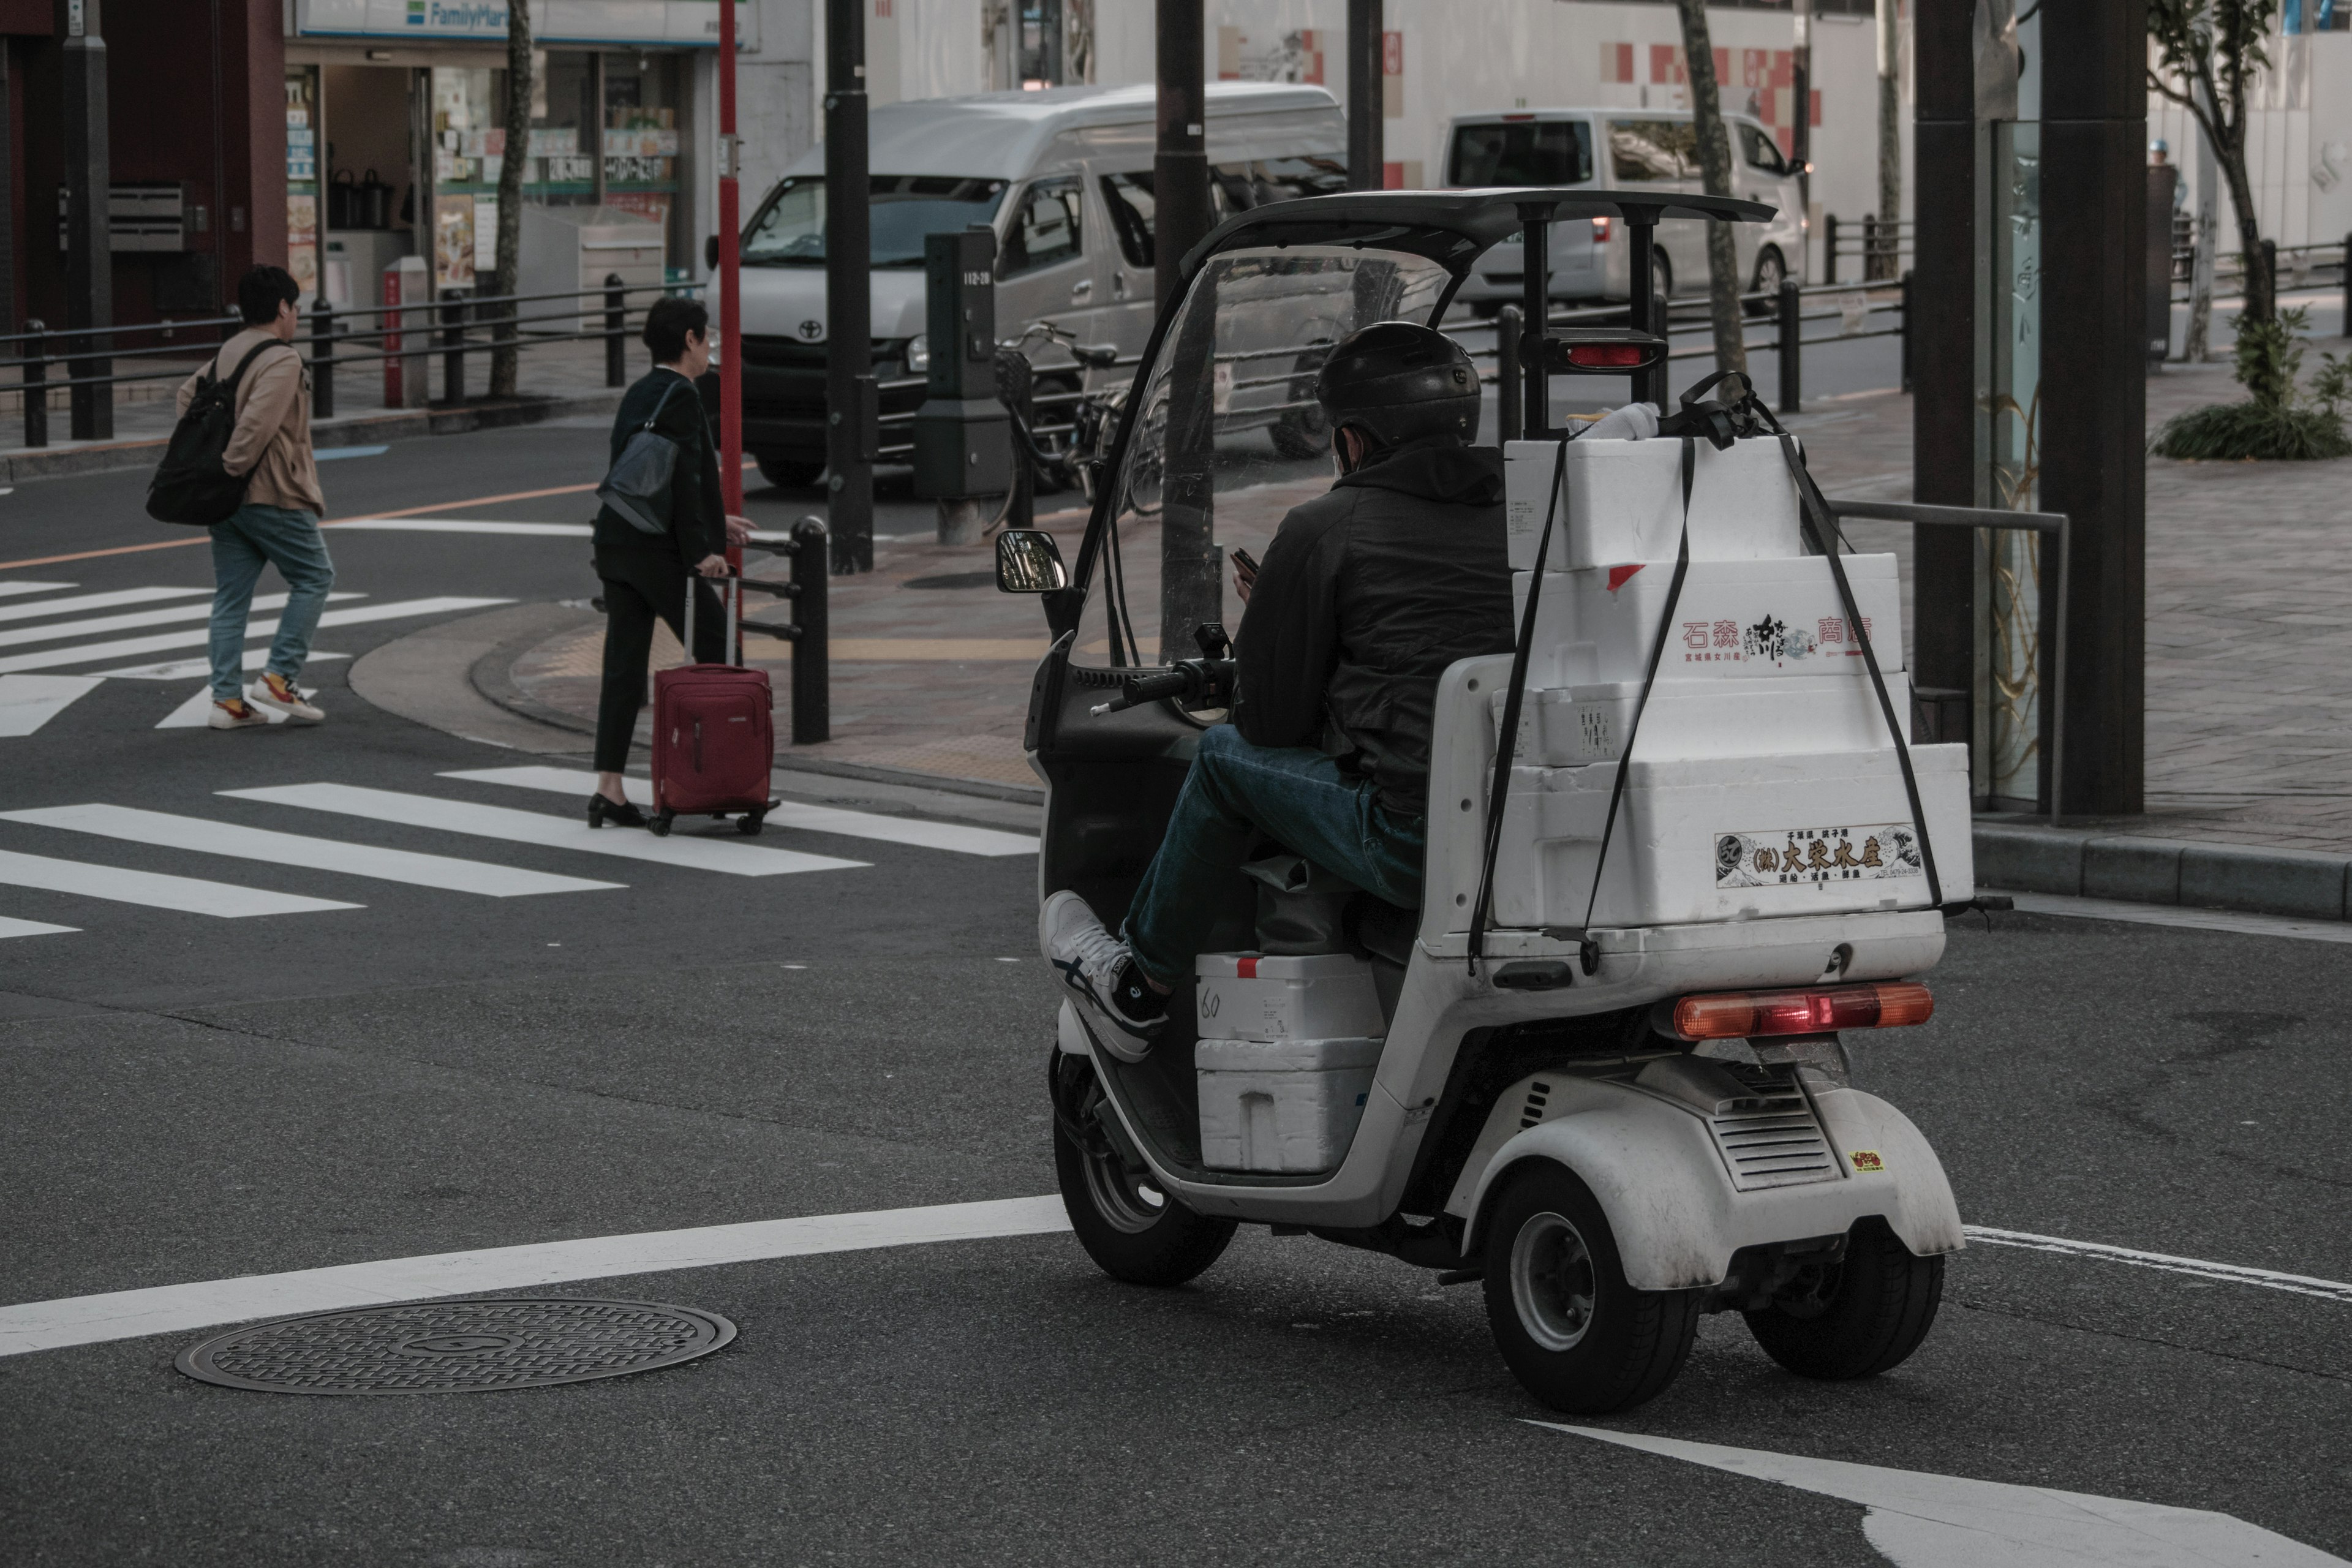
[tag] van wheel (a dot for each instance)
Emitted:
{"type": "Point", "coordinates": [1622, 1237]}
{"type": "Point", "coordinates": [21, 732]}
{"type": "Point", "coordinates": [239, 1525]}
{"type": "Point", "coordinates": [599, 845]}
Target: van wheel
{"type": "Point", "coordinates": [1574, 1332]}
{"type": "Point", "coordinates": [1130, 1229]}
{"type": "Point", "coordinates": [1770, 273]}
{"type": "Point", "coordinates": [1302, 434]}
{"type": "Point", "coordinates": [790, 473]}
{"type": "Point", "coordinates": [1855, 1318]}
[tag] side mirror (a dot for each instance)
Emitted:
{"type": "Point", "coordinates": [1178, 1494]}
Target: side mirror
{"type": "Point", "coordinates": [1029, 562]}
{"type": "Point", "coordinates": [710, 252]}
{"type": "Point", "coordinates": [1095, 356]}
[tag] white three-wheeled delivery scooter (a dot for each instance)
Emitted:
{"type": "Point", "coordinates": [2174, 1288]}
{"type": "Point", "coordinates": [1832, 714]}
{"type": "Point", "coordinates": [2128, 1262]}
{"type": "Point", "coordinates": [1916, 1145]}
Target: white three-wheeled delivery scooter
{"type": "Point", "coordinates": [1678, 846]}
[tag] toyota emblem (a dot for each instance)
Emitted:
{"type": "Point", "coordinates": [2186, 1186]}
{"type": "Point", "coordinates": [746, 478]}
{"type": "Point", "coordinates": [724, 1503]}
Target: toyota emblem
{"type": "Point", "coordinates": [812, 331]}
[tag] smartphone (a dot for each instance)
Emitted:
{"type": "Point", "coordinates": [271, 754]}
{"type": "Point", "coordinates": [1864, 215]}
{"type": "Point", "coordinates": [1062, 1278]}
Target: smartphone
{"type": "Point", "coordinates": [1244, 560]}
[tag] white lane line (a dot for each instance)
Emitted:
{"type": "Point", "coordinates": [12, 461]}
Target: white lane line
{"type": "Point", "coordinates": [11, 589]}
{"type": "Point", "coordinates": [2189, 919]}
{"type": "Point", "coordinates": [186, 668]}
{"type": "Point", "coordinates": [464, 525]}
{"type": "Point", "coordinates": [1919, 1519]}
{"type": "Point", "coordinates": [167, 831]}
{"type": "Point", "coordinates": [2235, 1273]}
{"type": "Point", "coordinates": [790, 814]}
{"type": "Point", "coordinates": [82, 601]}
{"type": "Point", "coordinates": [52, 633]}
{"type": "Point", "coordinates": [736, 855]}
{"type": "Point", "coordinates": [188, 895]}
{"type": "Point", "coordinates": [123, 647]}
{"type": "Point", "coordinates": [174, 1308]}
{"type": "Point", "coordinates": [9, 928]}
{"type": "Point", "coordinates": [29, 702]}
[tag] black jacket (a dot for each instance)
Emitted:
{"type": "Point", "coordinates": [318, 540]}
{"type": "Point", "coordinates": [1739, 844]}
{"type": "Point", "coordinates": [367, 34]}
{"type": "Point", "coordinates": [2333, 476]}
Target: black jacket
{"type": "Point", "coordinates": [1365, 596]}
{"type": "Point", "coordinates": [698, 512]}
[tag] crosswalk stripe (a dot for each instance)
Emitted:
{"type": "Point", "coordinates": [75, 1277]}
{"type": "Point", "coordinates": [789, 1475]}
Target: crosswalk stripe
{"type": "Point", "coordinates": [11, 590]}
{"type": "Point", "coordinates": [9, 928]}
{"type": "Point", "coordinates": [736, 858]}
{"type": "Point", "coordinates": [189, 895]}
{"type": "Point", "coordinates": [123, 647]}
{"type": "Point", "coordinates": [787, 813]}
{"type": "Point", "coordinates": [464, 525]}
{"type": "Point", "coordinates": [196, 712]}
{"type": "Point", "coordinates": [140, 618]}
{"type": "Point", "coordinates": [82, 601]}
{"type": "Point", "coordinates": [167, 831]}
{"type": "Point", "coordinates": [29, 702]}
{"type": "Point", "coordinates": [252, 659]}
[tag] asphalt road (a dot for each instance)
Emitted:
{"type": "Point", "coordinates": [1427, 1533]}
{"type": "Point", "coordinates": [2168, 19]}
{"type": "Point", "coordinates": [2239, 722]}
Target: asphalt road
{"type": "Point", "coordinates": [185, 1098]}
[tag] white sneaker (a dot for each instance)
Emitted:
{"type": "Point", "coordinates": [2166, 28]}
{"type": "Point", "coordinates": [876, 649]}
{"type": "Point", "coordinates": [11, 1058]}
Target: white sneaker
{"type": "Point", "coordinates": [1091, 961]}
{"type": "Point", "coordinates": [274, 690]}
{"type": "Point", "coordinates": [236, 714]}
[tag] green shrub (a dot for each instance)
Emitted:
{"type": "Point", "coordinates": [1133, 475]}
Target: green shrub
{"type": "Point", "coordinates": [2279, 423]}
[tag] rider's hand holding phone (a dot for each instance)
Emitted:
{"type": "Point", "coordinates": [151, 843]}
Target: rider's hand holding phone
{"type": "Point", "coordinates": [1244, 573]}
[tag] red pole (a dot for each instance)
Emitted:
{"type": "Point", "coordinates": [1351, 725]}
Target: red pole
{"type": "Point", "coordinates": [730, 290]}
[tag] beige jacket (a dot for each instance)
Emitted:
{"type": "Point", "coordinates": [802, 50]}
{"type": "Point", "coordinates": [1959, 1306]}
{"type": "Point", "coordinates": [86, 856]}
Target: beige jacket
{"type": "Point", "coordinates": [272, 439]}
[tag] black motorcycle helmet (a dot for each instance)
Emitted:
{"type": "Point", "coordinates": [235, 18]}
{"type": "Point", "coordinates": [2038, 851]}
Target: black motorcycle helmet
{"type": "Point", "coordinates": [1395, 381]}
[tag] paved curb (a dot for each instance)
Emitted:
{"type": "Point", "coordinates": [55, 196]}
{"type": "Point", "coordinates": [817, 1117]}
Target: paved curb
{"type": "Point", "coordinates": [2090, 863]}
{"type": "Point", "coordinates": [49, 463]}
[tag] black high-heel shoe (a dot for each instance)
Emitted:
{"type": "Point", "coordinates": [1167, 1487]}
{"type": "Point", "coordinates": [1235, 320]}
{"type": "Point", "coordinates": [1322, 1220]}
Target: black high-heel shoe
{"type": "Point", "coordinates": [620, 813]}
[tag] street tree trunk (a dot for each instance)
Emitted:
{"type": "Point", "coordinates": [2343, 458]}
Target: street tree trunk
{"type": "Point", "coordinates": [504, 278]}
{"type": "Point", "coordinates": [1887, 262]}
{"type": "Point", "coordinates": [1715, 175]}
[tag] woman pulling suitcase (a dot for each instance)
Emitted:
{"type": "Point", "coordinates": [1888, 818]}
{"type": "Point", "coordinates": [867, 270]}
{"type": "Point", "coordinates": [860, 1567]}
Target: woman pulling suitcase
{"type": "Point", "coordinates": [654, 541]}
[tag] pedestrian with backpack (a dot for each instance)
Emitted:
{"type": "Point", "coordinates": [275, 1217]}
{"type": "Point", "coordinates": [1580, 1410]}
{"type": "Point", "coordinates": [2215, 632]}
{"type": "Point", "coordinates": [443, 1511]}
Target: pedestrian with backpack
{"type": "Point", "coordinates": [259, 494]}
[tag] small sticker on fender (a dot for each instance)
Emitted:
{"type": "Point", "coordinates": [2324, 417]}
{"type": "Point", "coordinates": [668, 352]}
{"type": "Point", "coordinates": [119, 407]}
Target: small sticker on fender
{"type": "Point", "coordinates": [1867, 1160]}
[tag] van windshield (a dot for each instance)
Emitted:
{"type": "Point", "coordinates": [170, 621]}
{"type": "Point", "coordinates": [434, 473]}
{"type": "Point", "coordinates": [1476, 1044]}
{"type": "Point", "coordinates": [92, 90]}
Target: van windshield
{"type": "Point", "coordinates": [789, 229]}
{"type": "Point", "coordinates": [1522, 152]}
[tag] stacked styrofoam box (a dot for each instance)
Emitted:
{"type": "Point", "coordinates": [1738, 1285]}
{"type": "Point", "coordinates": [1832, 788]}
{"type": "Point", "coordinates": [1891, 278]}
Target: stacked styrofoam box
{"type": "Point", "coordinates": [1287, 1050]}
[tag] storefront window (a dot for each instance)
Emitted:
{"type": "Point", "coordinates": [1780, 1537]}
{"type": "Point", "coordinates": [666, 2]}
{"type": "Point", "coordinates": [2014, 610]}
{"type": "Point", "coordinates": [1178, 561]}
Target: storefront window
{"type": "Point", "coordinates": [302, 178]}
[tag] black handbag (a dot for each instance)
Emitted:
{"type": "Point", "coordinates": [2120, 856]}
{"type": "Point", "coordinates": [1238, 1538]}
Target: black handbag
{"type": "Point", "coordinates": [637, 486]}
{"type": "Point", "coordinates": [190, 485]}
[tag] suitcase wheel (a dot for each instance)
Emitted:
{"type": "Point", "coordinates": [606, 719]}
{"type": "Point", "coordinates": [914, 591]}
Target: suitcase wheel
{"type": "Point", "coordinates": [660, 824]}
{"type": "Point", "coordinates": [751, 822]}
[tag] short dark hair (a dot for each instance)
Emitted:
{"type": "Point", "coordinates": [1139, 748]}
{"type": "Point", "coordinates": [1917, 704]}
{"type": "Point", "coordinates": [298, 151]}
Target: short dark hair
{"type": "Point", "coordinates": [261, 290]}
{"type": "Point", "coordinates": [668, 324]}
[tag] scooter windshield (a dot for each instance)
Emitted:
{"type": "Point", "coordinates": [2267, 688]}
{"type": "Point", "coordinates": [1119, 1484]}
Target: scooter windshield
{"type": "Point", "coordinates": [1229, 438]}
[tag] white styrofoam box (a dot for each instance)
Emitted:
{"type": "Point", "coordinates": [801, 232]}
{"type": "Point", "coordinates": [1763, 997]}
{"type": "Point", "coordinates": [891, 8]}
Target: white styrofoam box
{"type": "Point", "coordinates": [1742, 618]}
{"type": "Point", "coordinates": [1622, 501]}
{"type": "Point", "coordinates": [1570, 726]}
{"type": "Point", "coordinates": [1308, 996]}
{"type": "Point", "coordinates": [1281, 1105]}
{"type": "Point", "coordinates": [1701, 839]}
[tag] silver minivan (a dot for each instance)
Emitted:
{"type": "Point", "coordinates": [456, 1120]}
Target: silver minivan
{"type": "Point", "coordinates": [1065, 178]}
{"type": "Point", "coordinates": [1627, 150]}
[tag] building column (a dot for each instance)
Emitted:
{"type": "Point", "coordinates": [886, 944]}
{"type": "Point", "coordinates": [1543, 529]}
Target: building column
{"type": "Point", "coordinates": [89, 255]}
{"type": "Point", "coordinates": [1945, 304]}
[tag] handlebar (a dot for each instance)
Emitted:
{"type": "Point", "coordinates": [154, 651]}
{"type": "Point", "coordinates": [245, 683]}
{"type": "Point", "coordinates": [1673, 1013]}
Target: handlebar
{"type": "Point", "coordinates": [1197, 682]}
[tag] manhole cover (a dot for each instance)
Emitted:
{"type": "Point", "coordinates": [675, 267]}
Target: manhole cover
{"type": "Point", "coordinates": [953, 579]}
{"type": "Point", "coordinates": [456, 1347]}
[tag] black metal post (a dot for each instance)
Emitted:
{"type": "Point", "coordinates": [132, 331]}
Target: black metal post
{"type": "Point", "coordinates": [1646, 313]}
{"type": "Point", "coordinates": [2344, 328]}
{"type": "Point", "coordinates": [1829, 247]}
{"type": "Point", "coordinates": [1510, 327]}
{"type": "Point", "coordinates": [812, 654]}
{"type": "Point", "coordinates": [89, 257]}
{"type": "Point", "coordinates": [2269, 269]}
{"type": "Point", "coordinates": [453, 350]}
{"type": "Point", "coordinates": [1791, 305]}
{"type": "Point", "coordinates": [1365, 169]}
{"type": "Point", "coordinates": [617, 331]}
{"type": "Point", "coordinates": [37, 383]}
{"type": "Point", "coordinates": [848, 303]}
{"type": "Point", "coordinates": [323, 359]}
{"type": "Point", "coordinates": [1906, 330]}
{"type": "Point", "coordinates": [1180, 164]}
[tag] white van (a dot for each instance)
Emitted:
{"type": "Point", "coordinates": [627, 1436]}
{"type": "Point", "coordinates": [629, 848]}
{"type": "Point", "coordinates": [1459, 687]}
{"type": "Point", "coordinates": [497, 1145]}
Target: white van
{"type": "Point", "coordinates": [1623, 149]}
{"type": "Point", "coordinates": [1064, 176]}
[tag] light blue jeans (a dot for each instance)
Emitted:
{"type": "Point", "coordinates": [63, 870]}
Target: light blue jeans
{"type": "Point", "coordinates": [251, 537]}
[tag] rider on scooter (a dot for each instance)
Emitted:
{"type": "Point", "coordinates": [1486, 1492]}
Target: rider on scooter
{"type": "Point", "coordinates": [1366, 595]}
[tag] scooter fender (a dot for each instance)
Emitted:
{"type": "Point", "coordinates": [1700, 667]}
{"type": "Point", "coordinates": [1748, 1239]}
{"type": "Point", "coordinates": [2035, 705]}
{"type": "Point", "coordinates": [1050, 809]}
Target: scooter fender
{"type": "Point", "coordinates": [1069, 1035]}
{"type": "Point", "coordinates": [1670, 1201]}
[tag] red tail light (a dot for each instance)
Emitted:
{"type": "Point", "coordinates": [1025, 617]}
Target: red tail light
{"type": "Point", "coordinates": [1606, 356]}
{"type": "Point", "coordinates": [1600, 231]}
{"type": "Point", "coordinates": [1816, 1010]}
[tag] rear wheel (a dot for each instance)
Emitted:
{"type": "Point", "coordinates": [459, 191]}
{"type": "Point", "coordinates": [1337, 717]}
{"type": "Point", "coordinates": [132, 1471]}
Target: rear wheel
{"type": "Point", "coordinates": [1130, 1229]}
{"type": "Point", "coordinates": [1857, 1317]}
{"type": "Point", "coordinates": [1574, 1332]}
{"type": "Point", "coordinates": [1770, 273]}
{"type": "Point", "coordinates": [790, 473]}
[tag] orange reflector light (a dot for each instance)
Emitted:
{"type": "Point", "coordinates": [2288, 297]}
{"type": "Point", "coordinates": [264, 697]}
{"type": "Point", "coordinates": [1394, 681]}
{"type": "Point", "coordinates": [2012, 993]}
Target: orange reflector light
{"type": "Point", "coordinates": [1604, 356]}
{"type": "Point", "coordinates": [1600, 231]}
{"type": "Point", "coordinates": [1817, 1010]}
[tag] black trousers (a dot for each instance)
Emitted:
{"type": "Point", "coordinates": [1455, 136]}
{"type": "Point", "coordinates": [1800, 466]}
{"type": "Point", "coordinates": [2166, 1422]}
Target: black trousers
{"type": "Point", "coordinates": [639, 585]}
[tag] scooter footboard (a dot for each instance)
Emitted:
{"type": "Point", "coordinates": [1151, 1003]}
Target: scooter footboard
{"type": "Point", "coordinates": [1674, 1204]}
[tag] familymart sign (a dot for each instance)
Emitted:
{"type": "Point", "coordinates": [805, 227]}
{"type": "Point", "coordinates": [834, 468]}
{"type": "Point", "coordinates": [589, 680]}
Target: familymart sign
{"type": "Point", "coordinates": [673, 22]}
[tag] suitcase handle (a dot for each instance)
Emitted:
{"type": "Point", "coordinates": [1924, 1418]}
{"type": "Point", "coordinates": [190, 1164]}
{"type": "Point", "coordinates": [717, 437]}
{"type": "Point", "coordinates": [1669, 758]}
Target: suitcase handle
{"type": "Point", "coordinates": [733, 652]}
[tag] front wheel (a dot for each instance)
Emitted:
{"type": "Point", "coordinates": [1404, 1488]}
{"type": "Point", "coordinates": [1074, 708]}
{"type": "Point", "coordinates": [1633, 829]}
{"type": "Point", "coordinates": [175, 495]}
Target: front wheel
{"type": "Point", "coordinates": [1857, 1317]}
{"type": "Point", "coordinates": [1576, 1335]}
{"type": "Point", "coordinates": [1130, 1229]}
{"type": "Point", "coordinates": [1770, 273]}
{"type": "Point", "coordinates": [789, 473]}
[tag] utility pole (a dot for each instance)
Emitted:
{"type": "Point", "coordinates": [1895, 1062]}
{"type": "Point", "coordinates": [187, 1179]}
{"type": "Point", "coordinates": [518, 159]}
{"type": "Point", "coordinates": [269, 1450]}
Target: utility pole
{"type": "Point", "coordinates": [1365, 152]}
{"type": "Point", "coordinates": [731, 285]}
{"type": "Point", "coordinates": [89, 257]}
{"type": "Point", "coordinates": [1180, 169]}
{"type": "Point", "coordinates": [1191, 586]}
{"type": "Point", "coordinates": [848, 300]}
{"type": "Point", "coordinates": [1801, 133]}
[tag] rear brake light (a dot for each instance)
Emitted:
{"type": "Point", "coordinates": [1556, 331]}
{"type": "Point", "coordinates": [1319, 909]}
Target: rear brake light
{"type": "Point", "coordinates": [1818, 1010]}
{"type": "Point", "coordinates": [1600, 231]}
{"type": "Point", "coordinates": [1603, 356]}
{"type": "Point", "coordinates": [1513, 119]}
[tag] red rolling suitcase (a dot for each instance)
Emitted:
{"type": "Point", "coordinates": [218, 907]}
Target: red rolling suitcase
{"type": "Point", "coordinates": [714, 741]}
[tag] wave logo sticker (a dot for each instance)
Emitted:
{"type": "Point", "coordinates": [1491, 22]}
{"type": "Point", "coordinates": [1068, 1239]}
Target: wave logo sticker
{"type": "Point", "coordinates": [1871, 853]}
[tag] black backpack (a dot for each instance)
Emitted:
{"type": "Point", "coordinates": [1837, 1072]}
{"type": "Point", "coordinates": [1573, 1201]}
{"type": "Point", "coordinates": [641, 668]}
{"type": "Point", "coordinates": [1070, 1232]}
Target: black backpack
{"type": "Point", "coordinates": [190, 486]}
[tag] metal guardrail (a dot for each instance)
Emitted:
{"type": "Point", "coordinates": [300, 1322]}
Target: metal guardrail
{"type": "Point", "coordinates": [1878, 246]}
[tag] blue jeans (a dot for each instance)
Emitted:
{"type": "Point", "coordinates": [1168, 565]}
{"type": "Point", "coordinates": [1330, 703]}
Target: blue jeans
{"type": "Point", "coordinates": [1237, 794]}
{"type": "Point", "coordinates": [251, 537]}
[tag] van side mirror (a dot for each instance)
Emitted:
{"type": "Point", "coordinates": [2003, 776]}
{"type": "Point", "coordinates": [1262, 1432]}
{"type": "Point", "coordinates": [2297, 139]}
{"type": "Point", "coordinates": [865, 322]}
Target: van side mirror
{"type": "Point", "coordinates": [1029, 562]}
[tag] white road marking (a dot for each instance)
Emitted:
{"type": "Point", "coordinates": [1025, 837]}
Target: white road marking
{"type": "Point", "coordinates": [9, 928]}
{"type": "Point", "coordinates": [174, 1308]}
{"type": "Point", "coordinates": [186, 668]}
{"type": "Point", "coordinates": [196, 712]}
{"type": "Point", "coordinates": [2191, 919]}
{"type": "Point", "coordinates": [789, 814]}
{"type": "Point", "coordinates": [52, 633]}
{"type": "Point", "coordinates": [170, 832]}
{"type": "Point", "coordinates": [11, 590]}
{"type": "Point", "coordinates": [188, 895]}
{"type": "Point", "coordinates": [1918, 1520]}
{"type": "Point", "coordinates": [464, 525]}
{"type": "Point", "coordinates": [2234, 1273]}
{"type": "Point", "coordinates": [331, 454]}
{"type": "Point", "coordinates": [29, 702]}
{"type": "Point", "coordinates": [736, 855]}
{"type": "Point", "coordinates": [82, 601]}
{"type": "Point", "coordinates": [123, 647]}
